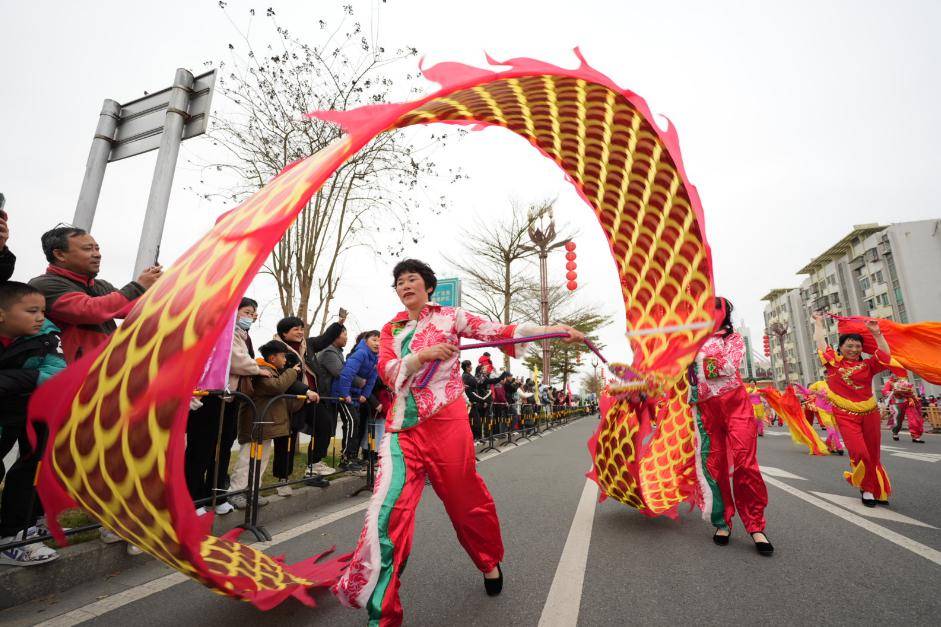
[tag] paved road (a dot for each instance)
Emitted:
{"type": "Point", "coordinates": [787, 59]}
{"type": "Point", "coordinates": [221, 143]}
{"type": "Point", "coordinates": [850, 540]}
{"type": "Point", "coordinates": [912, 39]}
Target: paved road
{"type": "Point", "coordinates": [835, 562]}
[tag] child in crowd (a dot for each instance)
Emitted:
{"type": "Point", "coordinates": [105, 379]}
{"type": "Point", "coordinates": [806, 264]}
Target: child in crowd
{"type": "Point", "coordinates": [29, 356]}
{"type": "Point", "coordinates": [276, 379]}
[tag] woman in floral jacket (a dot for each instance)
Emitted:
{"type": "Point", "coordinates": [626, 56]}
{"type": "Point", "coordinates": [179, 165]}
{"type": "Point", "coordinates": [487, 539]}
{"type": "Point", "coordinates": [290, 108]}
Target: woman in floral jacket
{"type": "Point", "coordinates": [427, 435]}
{"type": "Point", "coordinates": [730, 435]}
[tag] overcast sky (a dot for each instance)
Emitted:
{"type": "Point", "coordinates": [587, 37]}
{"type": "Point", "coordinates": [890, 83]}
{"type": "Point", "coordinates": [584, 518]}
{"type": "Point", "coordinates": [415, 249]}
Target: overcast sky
{"type": "Point", "coordinates": [796, 121]}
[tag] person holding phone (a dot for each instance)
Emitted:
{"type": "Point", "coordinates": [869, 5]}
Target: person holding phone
{"type": "Point", "coordinates": [77, 301]}
{"type": "Point", "coordinates": [7, 258]}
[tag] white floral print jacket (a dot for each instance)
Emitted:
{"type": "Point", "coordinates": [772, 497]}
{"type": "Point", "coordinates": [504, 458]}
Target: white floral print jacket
{"type": "Point", "coordinates": [401, 369]}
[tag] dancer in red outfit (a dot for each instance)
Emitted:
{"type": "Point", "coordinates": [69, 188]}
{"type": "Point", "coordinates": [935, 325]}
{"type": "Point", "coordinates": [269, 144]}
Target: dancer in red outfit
{"type": "Point", "coordinates": [731, 435]}
{"type": "Point", "coordinates": [427, 435]}
{"type": "Point", "coordinates": [904, 404]}
{"type": "Point", "coordinates": [849, 382]}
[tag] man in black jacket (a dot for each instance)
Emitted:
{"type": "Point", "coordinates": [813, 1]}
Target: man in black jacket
{"type": "Point", "coordinates": [328, 366]}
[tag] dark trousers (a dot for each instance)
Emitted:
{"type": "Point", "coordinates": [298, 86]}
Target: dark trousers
{"type": "Point", "coordinates": [477, 412]}
{"type": "Point", "coordinates": [324, 428]}
{"type": "Point", "coordinates": [499, 417]}
{"type": "Point", "coordinates": [899, 409]}
{"type": "Point", "coordinates": [284, 449]}
{"type": "Point", "coordinates": [19, 505]}
{"type": "Point", "coordinates": [359, 415]}
{"type": "Point", "coordinates": [202, 433]}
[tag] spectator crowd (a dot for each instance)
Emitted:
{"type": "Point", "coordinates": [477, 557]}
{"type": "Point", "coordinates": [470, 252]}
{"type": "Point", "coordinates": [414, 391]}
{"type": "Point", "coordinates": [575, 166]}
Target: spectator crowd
{"type": "Point", "coordinates": [311, 384]}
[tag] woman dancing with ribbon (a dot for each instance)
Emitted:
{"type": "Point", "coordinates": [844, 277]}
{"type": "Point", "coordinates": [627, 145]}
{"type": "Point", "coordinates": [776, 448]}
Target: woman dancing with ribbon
{"type": "Point", "coordinates": [428, 435]}
{"type": "Point", "coordinates": [849, 388]}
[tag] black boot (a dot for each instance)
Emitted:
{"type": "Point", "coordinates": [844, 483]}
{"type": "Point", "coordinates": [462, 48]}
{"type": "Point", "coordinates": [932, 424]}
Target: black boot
{"type": "Point", "coordinates": [494, 586]}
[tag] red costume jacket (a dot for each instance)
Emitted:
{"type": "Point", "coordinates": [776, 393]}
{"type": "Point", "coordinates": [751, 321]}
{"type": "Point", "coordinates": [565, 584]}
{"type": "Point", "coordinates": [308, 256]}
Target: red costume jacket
{"type": "Point", "coordinates": [84, 308]}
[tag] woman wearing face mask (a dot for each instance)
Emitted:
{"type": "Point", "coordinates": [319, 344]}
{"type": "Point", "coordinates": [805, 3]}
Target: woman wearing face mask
{"type": "Point", "coordinates": [202, 428]}
{"type": "Point", "coordinates": [849, 382]}
{"type": "Point", "coordinates": [427, 435]}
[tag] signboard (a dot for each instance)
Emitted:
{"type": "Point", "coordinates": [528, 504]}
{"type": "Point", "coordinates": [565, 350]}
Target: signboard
{"type": "Point", "coordinates": [448, 293]}
{"type": "Point", "coordinates": [141, 121]}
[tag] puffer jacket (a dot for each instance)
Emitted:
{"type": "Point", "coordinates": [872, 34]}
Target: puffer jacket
{"type": "Point", "coordinates": [361, 363]}
{"type": "Point", "coordinates": [25, 364]}
{"type": "Point", "coordinates": [242, 364]}
{"type": "Point", "coordinates": [279, 415]}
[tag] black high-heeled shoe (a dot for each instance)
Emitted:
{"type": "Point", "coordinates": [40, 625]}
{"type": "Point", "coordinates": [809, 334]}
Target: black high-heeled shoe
{"type": "Point", "coordinates": [763, 548]}
{"type": "Point", "coordinates": [494, 586]}
{"type": "Point", "coordinates": [720, 540]}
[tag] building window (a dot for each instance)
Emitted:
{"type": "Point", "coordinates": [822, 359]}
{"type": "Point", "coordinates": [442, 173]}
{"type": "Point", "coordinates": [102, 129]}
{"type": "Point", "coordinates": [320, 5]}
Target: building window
{"type": "Point", "coordinates": [884, 299]}
{"type": "Point", "coordinates": [869, 304]}
{"type": "Point", "coordinates": [877, 277]}
{"type": "Point", "coordinates": [898, 295]}
{"type": "Point", "coordinates": [864, 283]}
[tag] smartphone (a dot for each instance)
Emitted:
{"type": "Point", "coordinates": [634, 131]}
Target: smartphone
{"type": "Point", "coordinates": [3, 201]}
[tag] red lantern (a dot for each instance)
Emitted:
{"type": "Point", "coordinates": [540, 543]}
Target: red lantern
{"type": "Point", "coordinates": [572, 285]}
{"type": "Point", "coordinates": [570, 246]}
{"type": "Point", "coordinates": [571, 265]}
{"type": "Point", "coordinates": [570, 256]}
{"type": "Point", "coordinates": [767, 342]}
{"type": "Point", "coordinates": [571, 276]}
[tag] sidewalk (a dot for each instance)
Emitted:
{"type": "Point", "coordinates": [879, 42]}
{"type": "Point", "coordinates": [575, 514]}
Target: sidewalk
{"type": "Point", "coordinates": [94, 559]}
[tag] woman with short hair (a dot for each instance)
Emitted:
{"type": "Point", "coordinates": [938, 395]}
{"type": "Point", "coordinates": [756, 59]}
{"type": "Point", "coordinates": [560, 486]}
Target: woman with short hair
{"type": "Point", "coordinates": [427, 435]}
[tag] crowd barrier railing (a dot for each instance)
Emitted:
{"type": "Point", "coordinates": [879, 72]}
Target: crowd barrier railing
{"type": "Point", "coordinates": [496, 430]}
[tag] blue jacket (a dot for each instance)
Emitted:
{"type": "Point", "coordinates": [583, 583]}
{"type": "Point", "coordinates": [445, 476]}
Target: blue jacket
{"type": "Point", "coordinates": [361, 363]}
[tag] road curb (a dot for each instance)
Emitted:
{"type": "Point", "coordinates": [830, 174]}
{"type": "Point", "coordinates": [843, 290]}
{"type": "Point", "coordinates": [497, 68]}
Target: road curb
{"type": "Point", "coordinates": [80, 563]}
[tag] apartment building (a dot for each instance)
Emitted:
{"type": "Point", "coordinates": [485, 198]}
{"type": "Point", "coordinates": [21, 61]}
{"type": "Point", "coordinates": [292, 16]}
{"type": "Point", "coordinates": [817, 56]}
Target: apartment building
{"type": "Point", "coordinates": [885, 271]}
{"type": "Point", "coordinates": [784, 313]}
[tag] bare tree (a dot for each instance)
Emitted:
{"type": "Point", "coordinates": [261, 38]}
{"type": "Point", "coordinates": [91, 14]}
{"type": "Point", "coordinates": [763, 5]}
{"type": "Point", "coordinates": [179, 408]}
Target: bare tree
{"type": "Point", "coordinates": [588, 318]}
{"type": "Point", "coordinates": [271, 87]}
{"type": "Point", "coordinates": [490, 263]}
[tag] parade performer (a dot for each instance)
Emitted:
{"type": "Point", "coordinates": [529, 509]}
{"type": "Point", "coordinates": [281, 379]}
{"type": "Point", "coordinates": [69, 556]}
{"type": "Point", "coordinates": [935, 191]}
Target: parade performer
{"type": "Point", "coordinates": [427, 435]}
{"type": "Point", "coordinates": [729, 423]}
{"type": "Point", "coordinates": [824, 409]}
{"type": "Point", "coordinates": [849, 381]}
{"type": "Point", "coordinates": [791, 413]}
{"type": "Point", "coordinates": [758, 406]}
{"type": "Point", "coordinates": [903, 403]}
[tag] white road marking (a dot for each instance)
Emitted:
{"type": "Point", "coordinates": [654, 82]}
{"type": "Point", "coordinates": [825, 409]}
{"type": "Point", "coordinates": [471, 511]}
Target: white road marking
{"type": "Point", "coordinates": [113, 602]}
{"type": "Point", "coordinates": [779, 472]}
{"type": "Point", "coordinates": [131, 595]}
{"type": "Point", "coordinates": [907, 453]}
{"type": "Point", "coordinates": [931, 458]}
{"type": "Point", "coordinates": [565, 595]}
{"type": "Point", "coordinates": [775, 433]}
{"type": "Point", "coordinates": [885, 533]}
{"type": "Point", "coordinates": [855, 505]}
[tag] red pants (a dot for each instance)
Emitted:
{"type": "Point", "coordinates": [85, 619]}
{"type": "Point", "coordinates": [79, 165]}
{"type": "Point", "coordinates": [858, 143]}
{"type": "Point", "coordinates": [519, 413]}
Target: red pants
{"type": "Point", "coordinates": [862, 434]}
{"type": "Point", "coordinates": [729, 421]}
{"type": "Point", "coordinates": [916, 422]}
{"type": "Point", "coordinates": [441, 448]}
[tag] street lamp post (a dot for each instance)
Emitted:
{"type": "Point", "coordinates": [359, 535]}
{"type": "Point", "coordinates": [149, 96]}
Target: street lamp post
{"type": "Point", "coordinates": [780, 330]}
{"type": "Point", "coordinates": [542, 233]}
{"type": "Point", "coordinates": [594, 377]}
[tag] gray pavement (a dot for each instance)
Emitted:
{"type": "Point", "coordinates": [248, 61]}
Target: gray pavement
{"type": "Point", "coordinates": [834, 563]}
